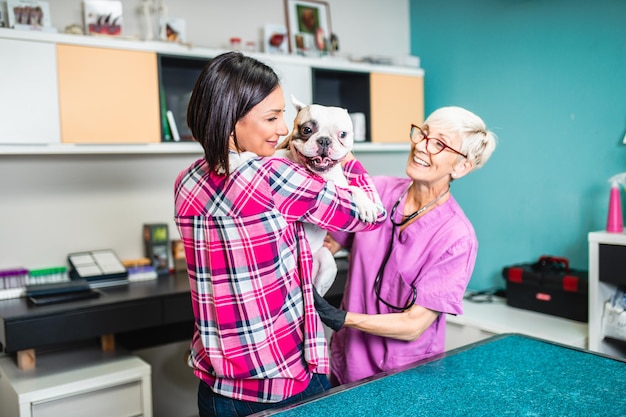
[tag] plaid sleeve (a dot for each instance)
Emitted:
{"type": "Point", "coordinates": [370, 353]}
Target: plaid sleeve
{"type": "Point", "coordinates": [299, 195]}
{"type": "Point", "coordinates": [358, 177]}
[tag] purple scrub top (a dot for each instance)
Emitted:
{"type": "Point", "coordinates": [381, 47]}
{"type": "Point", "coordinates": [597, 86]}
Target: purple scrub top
{"type": "Point", "coordinates": [436, 254]}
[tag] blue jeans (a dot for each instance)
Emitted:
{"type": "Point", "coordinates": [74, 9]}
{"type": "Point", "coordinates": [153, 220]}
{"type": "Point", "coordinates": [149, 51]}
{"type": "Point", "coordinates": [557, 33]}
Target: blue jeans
{"type": "Point", "coordinates": [211, 404]}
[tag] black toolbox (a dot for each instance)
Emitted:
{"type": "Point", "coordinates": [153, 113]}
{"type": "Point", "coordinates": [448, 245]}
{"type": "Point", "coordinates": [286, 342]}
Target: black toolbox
{"type": "Point", "coordinates": [548, 286]}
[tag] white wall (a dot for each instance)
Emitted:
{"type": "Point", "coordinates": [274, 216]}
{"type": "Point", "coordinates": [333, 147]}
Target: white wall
{"type": "Point", "coordinates": [364, 27]}
{"type": "Point", "coordinates": [51, 205]}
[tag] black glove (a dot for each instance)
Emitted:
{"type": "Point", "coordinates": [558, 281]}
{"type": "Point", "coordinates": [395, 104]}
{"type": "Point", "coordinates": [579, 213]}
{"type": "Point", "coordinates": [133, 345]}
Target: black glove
{"type": "Point", "coordinates": [331, 316]}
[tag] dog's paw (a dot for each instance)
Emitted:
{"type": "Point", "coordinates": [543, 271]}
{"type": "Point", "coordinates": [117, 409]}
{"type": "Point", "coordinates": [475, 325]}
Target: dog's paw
{"type": "Point", "coordinates": [326, 272]}
{"type": "Point", "coordinates": [368, 210]}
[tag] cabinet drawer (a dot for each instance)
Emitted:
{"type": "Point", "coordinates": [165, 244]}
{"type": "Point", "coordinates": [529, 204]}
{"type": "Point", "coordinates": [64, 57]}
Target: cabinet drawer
{"type": "Point", "coordinates": [118, 401]}
{"type": "Point", "coordinates": [612, 260]}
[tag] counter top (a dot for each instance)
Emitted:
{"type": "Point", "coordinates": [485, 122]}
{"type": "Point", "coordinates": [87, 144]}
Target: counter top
{"type": "Point", "coordinates": [507, 374]}
{"type": "Point", "coordinates": [133, 307]}
{"type": "Point", "coordinates": [497, 317]}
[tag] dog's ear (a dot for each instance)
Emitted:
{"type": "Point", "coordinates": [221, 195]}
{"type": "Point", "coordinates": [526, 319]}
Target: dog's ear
{"type": "Point", "coordinates": [297, 104]}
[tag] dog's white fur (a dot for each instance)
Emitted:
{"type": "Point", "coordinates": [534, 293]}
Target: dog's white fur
{"type": "Point", "coordinates": [321, 138]}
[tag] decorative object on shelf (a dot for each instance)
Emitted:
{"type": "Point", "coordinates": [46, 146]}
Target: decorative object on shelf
{"type": "Point", "coordinates": [140, 269]}
{"type": "Point", "coordinates": [157, 247]}
{"type": "Point", "coordinates": [359, 123]}
{"type": "Point", "coordinates": [614, 221]}
{"type": "Point", "coordinates": [250, 47]}
{"type": "Point", "coordinates": [3, 15]}
{"type": "Point", "coordinates": [161, 10]}
{"type": "Point", "coordinates": [146, 10]}
{"type": "Point", "coordinates": [235, 43]}
{"type": "Point", "coordinates": [74, 29]}
{"type": "Point", "coordinates": [103, 17]}
{"type": "Point", "coordinates": [178, 254]}
{"type": "Point", "coordinates": [308, 23]}
{"type": "Point", "coordinates": [29, 15]}
{"type": "Point", "coordinates": [334, 43]}
{"type": "Point", "coordinates": [176, 29]}
{"type": "Point", "coordinates": [275, 39]}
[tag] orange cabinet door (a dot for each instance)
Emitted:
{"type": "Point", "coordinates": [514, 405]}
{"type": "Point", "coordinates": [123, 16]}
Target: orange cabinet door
{"type": "Point", "coordinates": [396, 102]}
{"type": "Point", "coordinates": [108, 95]}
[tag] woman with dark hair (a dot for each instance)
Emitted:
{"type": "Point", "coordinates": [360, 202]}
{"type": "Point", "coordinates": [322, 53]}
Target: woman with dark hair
{"type": "Point", "coordinates": [258, 342]}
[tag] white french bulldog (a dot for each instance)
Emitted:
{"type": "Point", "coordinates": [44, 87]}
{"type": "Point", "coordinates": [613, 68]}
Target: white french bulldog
{"type": "Point", "coordinates": [321, 138]}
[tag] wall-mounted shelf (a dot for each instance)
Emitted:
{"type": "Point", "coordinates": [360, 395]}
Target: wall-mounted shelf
{"type": "Point", "coordinates": [336, 63]}
{"type": "Point", "coordinates": [156, 148]}
{"type": "Point", "coordinates": [104, 91]}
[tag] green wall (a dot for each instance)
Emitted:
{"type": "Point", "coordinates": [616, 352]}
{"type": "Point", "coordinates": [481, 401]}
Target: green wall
{"type": "Point", "coordinates": [549, 77]}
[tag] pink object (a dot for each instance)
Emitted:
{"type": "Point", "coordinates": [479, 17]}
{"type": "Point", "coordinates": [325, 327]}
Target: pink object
{"type": "Point", "coordinates": [614, 222]}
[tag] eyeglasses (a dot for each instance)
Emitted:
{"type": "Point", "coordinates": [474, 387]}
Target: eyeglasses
{"type": "Point", "coordinates": [433, 146]}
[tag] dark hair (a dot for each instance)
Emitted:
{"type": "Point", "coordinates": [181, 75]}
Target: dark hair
{"type": "Point", "coordinates": [228, 87]}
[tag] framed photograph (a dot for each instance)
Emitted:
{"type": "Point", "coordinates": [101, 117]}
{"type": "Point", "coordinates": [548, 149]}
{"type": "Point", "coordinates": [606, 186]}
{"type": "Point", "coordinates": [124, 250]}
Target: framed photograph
{"type": "Point", "coordinates": [103, 17]}
{"type": "Point", "coordinates": [275, 39]}
{"type": "Point", "coordinates": [308, 26]}
{"type": "Point", "coordinates": [175, 30]}
{"type": "Point", "coordinates": [28, 14]}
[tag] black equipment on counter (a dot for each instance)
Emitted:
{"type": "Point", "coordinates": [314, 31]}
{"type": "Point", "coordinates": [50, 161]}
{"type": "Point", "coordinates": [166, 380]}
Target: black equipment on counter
{"type": "Point", "coordinates": [548, 286]}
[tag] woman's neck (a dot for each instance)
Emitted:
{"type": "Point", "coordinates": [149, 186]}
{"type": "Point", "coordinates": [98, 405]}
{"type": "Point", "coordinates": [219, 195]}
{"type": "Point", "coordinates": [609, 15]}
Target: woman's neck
{"type": "Point", "coordinates": [420, 197]}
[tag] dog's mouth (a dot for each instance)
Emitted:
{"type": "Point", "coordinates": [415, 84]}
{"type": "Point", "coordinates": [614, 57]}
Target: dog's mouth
{"type": "Point", "coordinates": [318, 164]}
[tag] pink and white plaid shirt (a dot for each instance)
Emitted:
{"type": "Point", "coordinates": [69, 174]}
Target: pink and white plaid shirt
{"type": "Point", "coordinates": [257, 335]}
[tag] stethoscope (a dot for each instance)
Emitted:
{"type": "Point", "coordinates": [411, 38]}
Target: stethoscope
{"type": "Point", "coordinates": [378, 281]}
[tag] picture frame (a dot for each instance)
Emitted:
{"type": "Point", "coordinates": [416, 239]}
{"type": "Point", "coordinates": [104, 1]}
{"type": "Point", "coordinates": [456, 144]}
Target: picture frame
{"type": "Point", "coordinates": [175, 30]}
{"type": "Point", "coordinates": [308, 26]}
{"type": "Point", "coordinates": [275, 39]}
{"type": "Point", "coordinates": [33, 15]}
{"type": "Point", "coordinates": [103, 17]}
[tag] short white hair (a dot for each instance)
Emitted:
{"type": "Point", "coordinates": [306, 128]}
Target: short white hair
{"type": "Point", "coordinates": [477, 142]}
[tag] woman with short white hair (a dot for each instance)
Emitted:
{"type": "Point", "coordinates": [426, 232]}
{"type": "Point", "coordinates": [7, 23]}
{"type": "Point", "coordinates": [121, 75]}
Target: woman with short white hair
{"type": "Point", "coordinates": [405, 276]}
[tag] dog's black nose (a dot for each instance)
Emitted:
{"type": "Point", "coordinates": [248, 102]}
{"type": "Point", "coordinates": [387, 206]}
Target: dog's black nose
{"type": "Point", "coordinates": [324, 142]}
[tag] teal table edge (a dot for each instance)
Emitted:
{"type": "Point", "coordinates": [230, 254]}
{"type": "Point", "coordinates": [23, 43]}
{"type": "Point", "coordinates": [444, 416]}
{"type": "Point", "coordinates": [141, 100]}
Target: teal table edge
{"type": "Point", "coordinates": [507, 374]}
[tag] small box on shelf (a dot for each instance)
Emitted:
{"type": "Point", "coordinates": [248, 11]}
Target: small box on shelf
{"type": "Point", "coordinates": [178, 253]}
{"type": "Point", "coordinates": [140, 269]}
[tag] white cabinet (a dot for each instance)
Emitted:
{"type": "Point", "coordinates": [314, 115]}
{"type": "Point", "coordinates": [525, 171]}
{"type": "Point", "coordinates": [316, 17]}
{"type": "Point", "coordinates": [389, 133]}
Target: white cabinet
{"type": "Point", "coordinates": [607, 273]}
{"type": "Point", "coordinates": [64, 90]}
{"type": "Point", "coordinates": [77, 382]}
{"type": "Point", "coordinates": [482, 320]}
{"type": "Point", "coordinates": [28, 93]}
